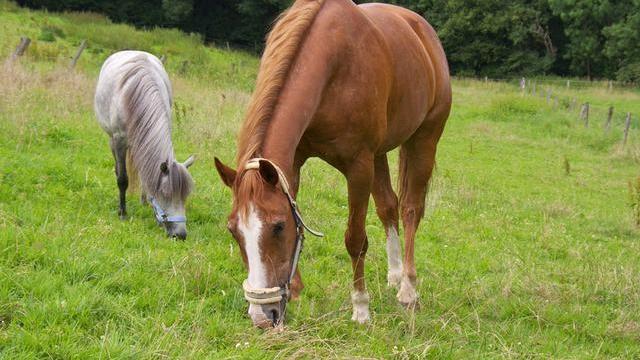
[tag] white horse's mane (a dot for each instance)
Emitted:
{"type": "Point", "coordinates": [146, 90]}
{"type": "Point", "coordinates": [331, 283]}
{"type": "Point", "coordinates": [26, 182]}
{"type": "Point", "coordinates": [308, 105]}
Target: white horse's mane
{"type": "Point", "coordinates": [148, 119]}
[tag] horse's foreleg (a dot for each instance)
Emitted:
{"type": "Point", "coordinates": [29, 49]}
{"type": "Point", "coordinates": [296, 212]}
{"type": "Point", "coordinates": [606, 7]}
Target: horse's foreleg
{"type": "Point", "coordinates": [387, 210]}
{"type": "Point", "coordinates": [119, 148]}
{"type": "Point", "coordinates": [359, 180]}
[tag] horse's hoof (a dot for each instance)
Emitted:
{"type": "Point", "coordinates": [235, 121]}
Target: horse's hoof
{"type": "Point", "coordinates": [361, 316]}
{"type": "Point", "coordinates": [360, 302]}
{"type": "Point", "coordinates": [407, 295]}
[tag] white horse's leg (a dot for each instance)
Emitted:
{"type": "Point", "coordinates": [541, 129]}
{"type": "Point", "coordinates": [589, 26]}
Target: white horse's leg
{"type": "Point", "coordinates": [119, 148]}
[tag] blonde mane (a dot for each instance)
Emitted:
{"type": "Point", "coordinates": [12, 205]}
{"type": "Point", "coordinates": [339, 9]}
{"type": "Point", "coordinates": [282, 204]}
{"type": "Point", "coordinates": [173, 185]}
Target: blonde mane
{"type": "Point", "coordinates": [281, 49]}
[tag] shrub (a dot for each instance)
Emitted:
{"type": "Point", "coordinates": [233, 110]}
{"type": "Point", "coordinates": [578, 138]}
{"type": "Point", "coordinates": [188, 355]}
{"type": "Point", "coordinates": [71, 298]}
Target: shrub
{"type": "Point", "coordinates": [49, 33]}
{"type": "Point", "coordinates": [629, 73]}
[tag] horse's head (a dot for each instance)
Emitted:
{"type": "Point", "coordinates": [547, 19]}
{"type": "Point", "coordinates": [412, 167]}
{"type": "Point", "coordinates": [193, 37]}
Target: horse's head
{"type": "Point", "coordinates": [174, 185]}
{"type": "Point", "coordinates": [263, 222]}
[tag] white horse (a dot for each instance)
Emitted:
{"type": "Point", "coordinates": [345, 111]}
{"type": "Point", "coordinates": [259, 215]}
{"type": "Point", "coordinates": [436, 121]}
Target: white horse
{"type": "Point", "coordinates": [133, 105]}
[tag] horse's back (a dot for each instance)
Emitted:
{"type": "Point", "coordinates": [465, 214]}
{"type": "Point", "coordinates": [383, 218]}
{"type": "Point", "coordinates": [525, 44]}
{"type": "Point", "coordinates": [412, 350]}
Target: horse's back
{"type": "Point", "coordinates": [421, 84]}
{"type": "Point", "coordinates": [109, 99]}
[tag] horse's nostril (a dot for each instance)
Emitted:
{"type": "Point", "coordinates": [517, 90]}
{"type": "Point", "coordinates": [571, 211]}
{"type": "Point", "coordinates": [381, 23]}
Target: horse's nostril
{"type": "Point", "coordinates": [275, 317]}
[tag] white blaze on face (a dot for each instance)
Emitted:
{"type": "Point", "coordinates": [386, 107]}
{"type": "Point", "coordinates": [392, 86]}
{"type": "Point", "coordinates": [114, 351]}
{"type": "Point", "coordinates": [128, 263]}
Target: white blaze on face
{"type": "Point", "coordinates": [251, 228]}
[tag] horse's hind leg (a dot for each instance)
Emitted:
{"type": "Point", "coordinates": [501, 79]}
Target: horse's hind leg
{"type": "Point", "coordinates": [359, 180]}
{"type": "Point", "coordinates": [387, 210]}
{"type": "Point", "coordinates": [119, 149]}
{"type": "Point", "coordinates": [417, 159]}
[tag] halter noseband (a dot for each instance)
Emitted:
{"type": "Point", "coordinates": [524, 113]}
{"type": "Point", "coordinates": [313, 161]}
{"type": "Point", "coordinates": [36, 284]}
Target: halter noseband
{"type": "Point", "coordinates": [262, 296]}
{"type": "Point", "coordinates": [161, 215]}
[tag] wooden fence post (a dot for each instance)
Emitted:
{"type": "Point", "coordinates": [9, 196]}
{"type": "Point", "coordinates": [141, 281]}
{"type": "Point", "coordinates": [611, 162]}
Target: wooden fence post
{"type": "Point", "coordinates": [548, 96]}
{"type": "Point", "coordinates": [584, 114]}
{"type": "Point", "coordinates": [523, 85]}
{"type": "Point", "coordinates": [21, 48]}
{"type": "Point", "coordinates": [81, 48]}
{"type": "Point", "coordinates": [627, 125]}
{"type": "Point", "coordinates": [534, 88]}
{"type": "Point", "coordinates": [607, 126]}
{"type": "Point", "coordinates": [568, 84]}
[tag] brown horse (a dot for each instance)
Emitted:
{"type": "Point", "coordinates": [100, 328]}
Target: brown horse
{"type": "Point", "coordinates": [347, 84]}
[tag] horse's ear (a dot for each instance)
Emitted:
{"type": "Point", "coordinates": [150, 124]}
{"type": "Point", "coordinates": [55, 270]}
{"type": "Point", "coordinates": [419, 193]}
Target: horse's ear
{"type": "Point", "coordinates": [189, 161]}
{"type": "Point", "coordinates": [227, 174]}
{"type": "Point", "coordinates": [164, 168]}
{"type": "Point", "coordinates": [269, 172]}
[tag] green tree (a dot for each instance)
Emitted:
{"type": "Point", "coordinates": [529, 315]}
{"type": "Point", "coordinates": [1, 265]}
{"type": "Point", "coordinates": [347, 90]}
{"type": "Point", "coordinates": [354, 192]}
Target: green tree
{"type": "Point", "coordinates": [622, 41]}
{"type": "Point", "coordinates": [583, 23]}
{"type": "Point", "coordinates": [491, 37]}
{"type": "Point", "coordinates": [177, 11]}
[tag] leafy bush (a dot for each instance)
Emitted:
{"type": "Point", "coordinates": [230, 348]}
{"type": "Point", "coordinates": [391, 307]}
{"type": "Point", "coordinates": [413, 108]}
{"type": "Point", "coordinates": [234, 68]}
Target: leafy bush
{"type": "Point", "coordinates": [629, 73]}
{"type": "Point", "coordinates": [49, 33]}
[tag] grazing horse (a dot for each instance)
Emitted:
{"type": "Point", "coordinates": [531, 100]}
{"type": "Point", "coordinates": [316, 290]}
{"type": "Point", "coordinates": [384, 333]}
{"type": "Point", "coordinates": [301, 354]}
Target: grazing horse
{"type": "Point", "coordinates": [133, 105]}
{"type": "Point", "coordinates": [346, 83]}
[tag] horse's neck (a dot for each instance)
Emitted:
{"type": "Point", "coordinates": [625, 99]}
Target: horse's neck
{"type": "Point", "coordinates": [297, 106]}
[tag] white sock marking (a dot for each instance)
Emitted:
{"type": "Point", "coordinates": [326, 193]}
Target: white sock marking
{"type": "Point", "coordinates": [360, 301]}
{"type": "Point", "coordinates": [407, 294]}
{"type": "Point", "coordinates": [394, 257]}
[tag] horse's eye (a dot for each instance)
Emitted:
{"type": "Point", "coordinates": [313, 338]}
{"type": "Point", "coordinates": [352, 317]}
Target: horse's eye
{"type": "Point", "coordinates": [278, 227]}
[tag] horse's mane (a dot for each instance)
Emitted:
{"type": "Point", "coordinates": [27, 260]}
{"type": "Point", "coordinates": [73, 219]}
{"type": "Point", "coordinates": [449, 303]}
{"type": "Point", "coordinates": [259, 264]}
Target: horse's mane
{"type": "Point", "coordinates": [148, 119]}
{"type": "Point", "coordinates": [281, 49]}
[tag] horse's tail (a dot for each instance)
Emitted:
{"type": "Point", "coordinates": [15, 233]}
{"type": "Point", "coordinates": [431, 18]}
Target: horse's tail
{"type": "Point", "coordinates": [132, 173]}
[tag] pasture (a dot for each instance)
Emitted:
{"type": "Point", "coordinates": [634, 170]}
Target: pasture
{"type": "Point", "coordinates": [529, 248]}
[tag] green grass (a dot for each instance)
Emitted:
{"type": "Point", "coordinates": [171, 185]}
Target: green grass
{"type": "Point", "coordinates": [516, 258]}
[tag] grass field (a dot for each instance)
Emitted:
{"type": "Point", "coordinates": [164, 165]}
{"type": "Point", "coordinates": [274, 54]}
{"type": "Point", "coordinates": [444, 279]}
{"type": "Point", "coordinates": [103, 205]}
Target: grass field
{"type": "Point", "coordinates": [529, 248]}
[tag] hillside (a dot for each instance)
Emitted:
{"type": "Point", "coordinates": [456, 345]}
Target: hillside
{"type": "Point", "coordinates": [529, 248]}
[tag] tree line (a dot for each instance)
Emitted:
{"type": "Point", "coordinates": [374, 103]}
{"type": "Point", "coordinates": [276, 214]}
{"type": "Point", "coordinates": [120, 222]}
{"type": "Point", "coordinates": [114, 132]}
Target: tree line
{"type": "Point", "coordinates": [494, 38]}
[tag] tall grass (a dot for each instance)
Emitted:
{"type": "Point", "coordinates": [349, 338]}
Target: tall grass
{"type": "Point", "coordinates": [518, 257]}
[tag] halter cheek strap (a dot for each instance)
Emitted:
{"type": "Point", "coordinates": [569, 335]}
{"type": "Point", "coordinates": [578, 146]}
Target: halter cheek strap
{"type": "Point", "coordinates": [261, 296]}
{"type": "Point", "coordinates": [161, 215]}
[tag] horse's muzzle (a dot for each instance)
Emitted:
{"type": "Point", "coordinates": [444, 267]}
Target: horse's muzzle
{"type": "Point", "coordinates": [266, 305]}
{"type": "Point", "coordinates": [176, 230]}
{"type": "Point", "coordinates": [266, 316]}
